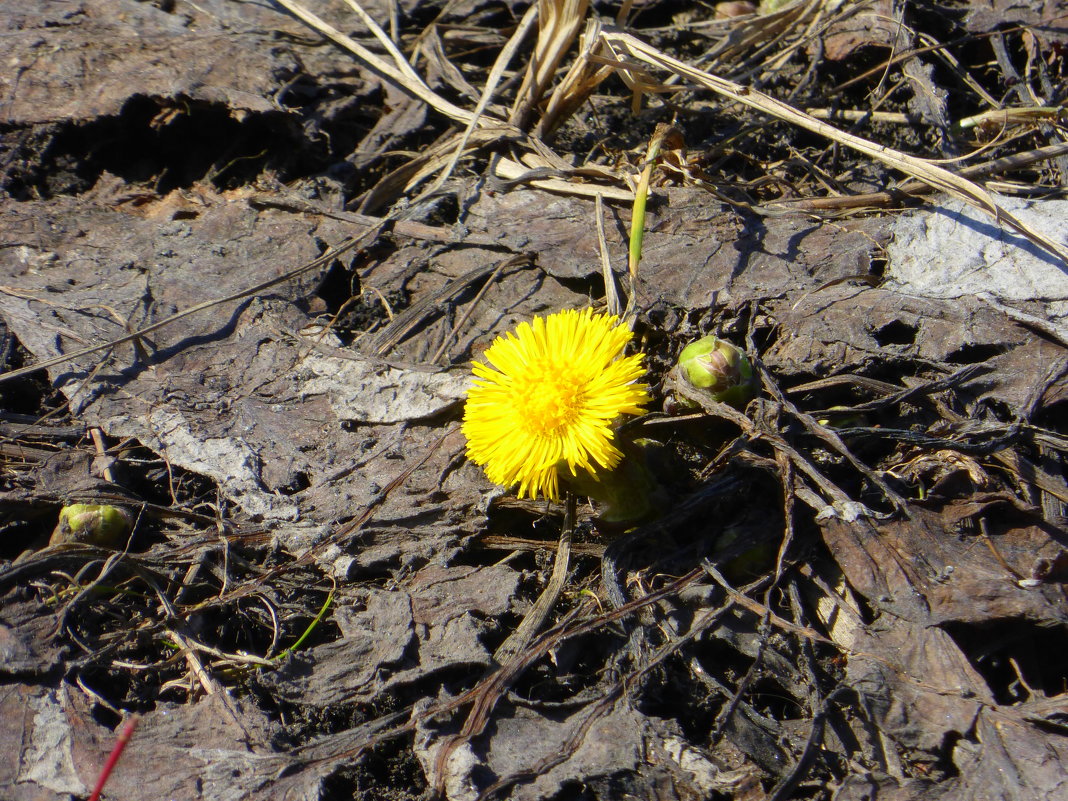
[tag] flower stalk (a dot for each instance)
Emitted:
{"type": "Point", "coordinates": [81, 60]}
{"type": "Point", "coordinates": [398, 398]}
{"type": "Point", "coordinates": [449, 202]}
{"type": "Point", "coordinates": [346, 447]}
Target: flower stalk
{"type": "Point", "coordinates": [626, 493]}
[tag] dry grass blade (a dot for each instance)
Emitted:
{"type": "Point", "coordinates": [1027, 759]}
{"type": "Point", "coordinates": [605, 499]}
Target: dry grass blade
{"type": "Point", "coordinates": [504, 58]}
{"type": "Point", "coordinates": [611, 292]}
{"type": "Point", "coordinates": [515, 261]}
{"type": "Point", "coordinates": [577, 85]}
{"type": "Point", "coordinates": [558, 25]}
{"type": "Point", "coordinates": [947, 57]}
{"type": "Point", "coordinates": [402, 75]}
{"type": "Point", "coordinates": [431, 51]}
{"type": "Point", "coordinates": [386, 42]}
{"type": "Point", "coordinates": [513, 171]}
{"type": "Point", "coordinates": [864, 115]}
{"type": "Point", "coordinates": [754, 36]}
{"type": "Point", "coordinates": [417, 169]}
{"type": "Point", "coordinates": [412, 317]}
{"type": "Point", "coordinates": [619, 43]}
{"type": "Point", "coordinates": [636, 78]}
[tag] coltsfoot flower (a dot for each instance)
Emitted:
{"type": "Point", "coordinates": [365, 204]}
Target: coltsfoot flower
{"type": "Point", "coordinates": [547, 399]}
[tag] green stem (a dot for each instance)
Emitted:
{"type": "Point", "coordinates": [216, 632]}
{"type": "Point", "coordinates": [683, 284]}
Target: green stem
{"type": "Point", "coordinates": [308, 631]}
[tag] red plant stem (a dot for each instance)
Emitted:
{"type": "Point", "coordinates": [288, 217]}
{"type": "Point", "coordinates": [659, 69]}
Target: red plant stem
{"type": "Point", "coordinates": [113, 757]}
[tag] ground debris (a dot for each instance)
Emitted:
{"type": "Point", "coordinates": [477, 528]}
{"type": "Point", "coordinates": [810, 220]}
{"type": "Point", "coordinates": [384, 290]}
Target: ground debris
{"type": "Point", "coordinates": [249, 259]}
{"type": "Point", "coordinates": [401, 637]}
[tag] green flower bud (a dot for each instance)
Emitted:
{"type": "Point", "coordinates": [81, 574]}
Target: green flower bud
{"type": "Point", "coordinates": [92, 524]}
{"type": "Point", "coordinates": [841, 417]}
{"type": "Point", "coordinates": [713, 369]}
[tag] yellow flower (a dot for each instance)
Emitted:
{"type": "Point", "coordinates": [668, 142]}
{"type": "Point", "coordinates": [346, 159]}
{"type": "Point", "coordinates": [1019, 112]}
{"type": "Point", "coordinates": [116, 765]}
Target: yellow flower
{"type": "Point", "coordinates": [553, 391]}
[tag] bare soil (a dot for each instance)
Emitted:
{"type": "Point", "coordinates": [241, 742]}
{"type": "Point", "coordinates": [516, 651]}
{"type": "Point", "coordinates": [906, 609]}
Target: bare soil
{"type": "Point", "coordinates": [245, 268]}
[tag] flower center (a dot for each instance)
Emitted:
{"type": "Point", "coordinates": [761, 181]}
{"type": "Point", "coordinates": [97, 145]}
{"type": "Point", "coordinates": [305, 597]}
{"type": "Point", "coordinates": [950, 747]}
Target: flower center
{"type": "Point", "coordinates": [548, 398]}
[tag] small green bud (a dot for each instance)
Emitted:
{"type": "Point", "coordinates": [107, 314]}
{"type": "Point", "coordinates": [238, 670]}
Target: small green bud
{"type": "Point", "coordinates": [716, 370]}
{"type": "Point", "coordinates": [840, 417]}
{"type": "Point", "coordinates": [93, 524]}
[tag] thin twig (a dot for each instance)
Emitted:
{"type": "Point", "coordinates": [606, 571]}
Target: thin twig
{"type": "Point", "coordinates": [515, 261]}
{"type": "Point", "coordinates": [539, 612]}
{"type": "Point", "coordinates": [326, 258]}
